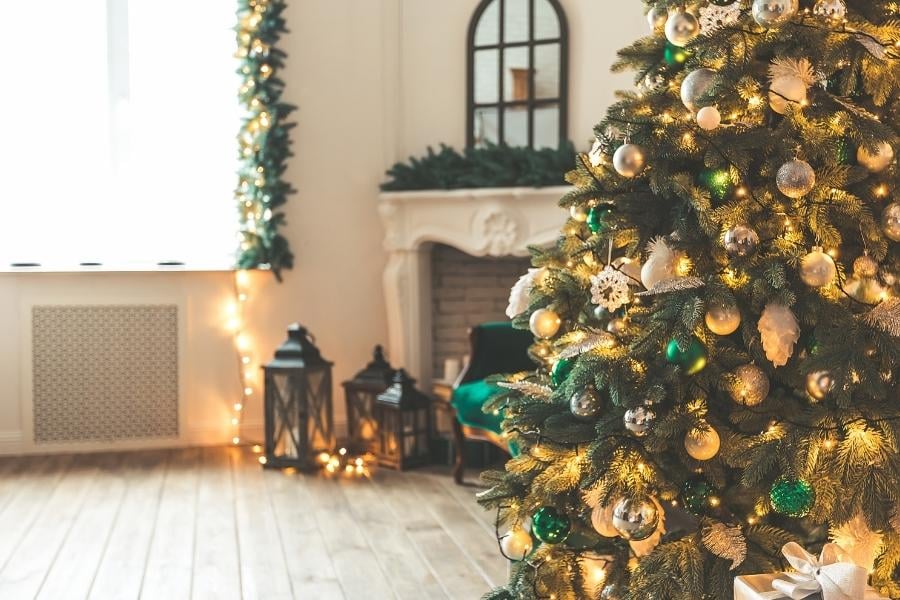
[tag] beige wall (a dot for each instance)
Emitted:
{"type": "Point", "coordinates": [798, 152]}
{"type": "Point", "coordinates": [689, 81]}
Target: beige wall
{"type": "Point", "coordinates": [376, 81]}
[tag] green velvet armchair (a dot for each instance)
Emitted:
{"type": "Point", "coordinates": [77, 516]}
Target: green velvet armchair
{"type": "Point", "coordinates": [495, 348]}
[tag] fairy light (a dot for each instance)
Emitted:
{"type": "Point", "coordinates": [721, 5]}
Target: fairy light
{"type": "Point", "coordinates": [235, 324]}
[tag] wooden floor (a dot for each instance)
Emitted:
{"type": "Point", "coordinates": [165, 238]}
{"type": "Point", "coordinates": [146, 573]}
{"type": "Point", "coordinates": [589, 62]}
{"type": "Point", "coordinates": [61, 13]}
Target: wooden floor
{"type": "Point", "coordinates": [210, 523]}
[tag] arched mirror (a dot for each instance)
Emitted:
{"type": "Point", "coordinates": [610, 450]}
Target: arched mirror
{"type": "Point", "coordinates": [518, 74]}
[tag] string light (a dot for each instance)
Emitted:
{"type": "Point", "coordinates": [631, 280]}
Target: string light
{"type": "Point", "coordinates": [234, 324]}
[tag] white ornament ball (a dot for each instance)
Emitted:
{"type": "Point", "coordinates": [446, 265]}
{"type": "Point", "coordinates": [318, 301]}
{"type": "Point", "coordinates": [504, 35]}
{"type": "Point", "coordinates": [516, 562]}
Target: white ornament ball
{"type": "Point", "coordinates": [752, 385]}
{"type": "Point", "coordinates": [723, 319]}
{"type": "Point", "coordinates": [817, 269]}
{"type": "Point", "coordinates": [681, 28]}
{"type": "Point", "coordinates": [890, 221]}
{"type": "Point", "coordinates": [544, 323]}
{"type": "Point", "coordinates": [629, 160]}
{"type": "Point", "coordinates": [796, 178]}
{"type": "Point", "coordinates": [695, 86]}
{"type": "Point", "coordinates": [702, 444]}
{"type": "Point", "coordinates": [656, 18]}
{"type": "Point", "coordinates": [785, 91]}
{"type": "Point", "coordinates": [877, 162]}
{"type": "Point", "coordinates": [709, 118]}
{"type": "Point", "coordinates": [770, 13]}
{"type": "Point", "coordinates": [835, 10]}
{"type": "Point", "coordinates": [516, 544]}
{"type": "Point", "coordinates": [601, 519]}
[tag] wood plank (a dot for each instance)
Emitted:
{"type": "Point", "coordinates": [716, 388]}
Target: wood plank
{"type": "Point", "coordinates": [465, 495]}
{"type": "Point", "coordinates": [354, 560]}
{"type": "Point", "coordinates": [25, 570]}
{"type": "Point", "coordinates": [455, 570]}
{"type": "Point", "coordinates": [121, 568]}
{"type": "Point", "coordinates": [217, 572]}
{"type": "Point", "coordinates": [73, 570]}
{"type": "Point", "coordinates": [409, 576]}
{"type": "Point", "coordinates": [170, 560]}
{"type": "Point", "coordinates": [308, 562]}
{"type": "Point", "coordinates": [264, 571]}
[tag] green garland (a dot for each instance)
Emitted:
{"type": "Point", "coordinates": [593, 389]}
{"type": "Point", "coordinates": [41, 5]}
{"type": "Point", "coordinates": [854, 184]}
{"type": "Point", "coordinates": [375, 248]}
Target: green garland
{"type": "Point", "coordinates": [264, 140]}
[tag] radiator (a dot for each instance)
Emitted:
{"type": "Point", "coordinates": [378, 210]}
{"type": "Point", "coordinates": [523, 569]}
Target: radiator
{"type": "Point", "coordinates": [104, 372]}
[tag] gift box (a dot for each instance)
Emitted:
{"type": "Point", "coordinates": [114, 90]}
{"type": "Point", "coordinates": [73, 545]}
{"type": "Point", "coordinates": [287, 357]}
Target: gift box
{"type": "Point", "coordinates": [758, 587]}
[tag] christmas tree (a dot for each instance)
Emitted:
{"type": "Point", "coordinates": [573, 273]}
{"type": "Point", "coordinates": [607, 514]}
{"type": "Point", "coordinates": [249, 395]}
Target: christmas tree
{"type": "Point", "coordinates": [718, 326]}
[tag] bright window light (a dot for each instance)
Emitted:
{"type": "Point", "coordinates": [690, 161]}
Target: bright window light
{"type": "Point", "coordinates": [118, 143]}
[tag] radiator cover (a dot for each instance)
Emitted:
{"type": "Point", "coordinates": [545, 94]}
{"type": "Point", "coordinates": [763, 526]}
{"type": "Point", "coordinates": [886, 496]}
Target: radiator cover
{"type": "Point", "coordinates": [104, 372]}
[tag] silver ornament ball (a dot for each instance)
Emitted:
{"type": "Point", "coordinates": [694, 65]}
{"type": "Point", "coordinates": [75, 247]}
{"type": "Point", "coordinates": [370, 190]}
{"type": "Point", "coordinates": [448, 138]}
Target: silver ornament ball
{"type": "Point", "coordinates": [612, 592]}
{"type": "Point", "coordinates": [617, 325]}
{"type": "Point", "coordinates": [635, 519]}
{"type": "Point", "coordinates": [835, 10]}
{"type": "Point", "coordinates": [740, 241]}
{"type": "Point", "coordinates": [817, 269]}
{"type": "Point", "coordinates": [586, 404]}
{"type": "Point", "coordinates": [629, 160]}
{"type": "Point", "coordinates": [890, 221]}
{"type": "Point", "coordinates": [819, 384]}
{"type": "Point", "coordinates": [752, 386]}
{"type": "Point", "coordinates": [796, 178]}
{"type": "Point", "coordinates": [696, 85]}
{"type": "Point", "coordinates": [770, 13]}
{"type": "Point", "coordinates": [639, 420]}
{"type": "Point", "coordinates": [681, 28]}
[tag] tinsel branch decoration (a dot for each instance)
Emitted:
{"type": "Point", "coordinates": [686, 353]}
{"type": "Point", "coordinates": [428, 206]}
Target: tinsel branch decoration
{"type": "Point", "coordinates": [726, 542]}
{"type": "Point", "coordinates": [669, 286]}
{"type": "Point", "coordinates": [263, 140]}
{"type": "Point", "coordinates": [593, 341]}
{"type": "Point", "coordinates": [529, 388]}
{"type": "Point", "coordinates": [886, 317]}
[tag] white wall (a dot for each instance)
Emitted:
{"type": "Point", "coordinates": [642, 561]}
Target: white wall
{"type": "Point", "coordinates": [376, 81]}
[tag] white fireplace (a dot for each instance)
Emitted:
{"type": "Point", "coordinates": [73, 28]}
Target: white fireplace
{"type": "Point", "coordinates": [483, 222]}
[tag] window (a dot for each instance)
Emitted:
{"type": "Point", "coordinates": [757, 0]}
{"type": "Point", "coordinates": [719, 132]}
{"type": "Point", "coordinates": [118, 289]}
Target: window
{"type": "Point", "coordinates": [518, 74]}
{"type": "Point", "coordinates": [119, 134]}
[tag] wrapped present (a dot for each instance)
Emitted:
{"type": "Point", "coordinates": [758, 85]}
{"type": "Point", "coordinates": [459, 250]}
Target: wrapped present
{"type": "Point", "coordinates": [831, 576]}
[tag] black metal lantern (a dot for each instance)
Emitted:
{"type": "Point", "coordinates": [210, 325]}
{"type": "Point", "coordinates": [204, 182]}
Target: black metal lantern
{"type": "Point", "coordinates": [404, 424]}
{"type": "Point", "coordinates": [298, 410]}
{"type": "Point", "coordinates": [361, 392]}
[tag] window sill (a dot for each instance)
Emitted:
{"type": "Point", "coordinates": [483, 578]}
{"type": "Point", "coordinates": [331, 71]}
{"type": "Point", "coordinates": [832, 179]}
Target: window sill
{"type": "Point", "coordinates": [120, 268]}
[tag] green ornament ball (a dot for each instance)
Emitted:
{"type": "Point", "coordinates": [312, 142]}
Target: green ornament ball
{"type": "Point", "coordinates": [695, 493]}
{"type": "Point", "coordinates": [596, 220]}
{"type": "Point", "coordinates": [717, 182]}
{"type": "Point", "coordinates": [674, 56]}
{"type": "Point", "coordinates": [846, 151]}
{"type": "Point", "coordinates": [692, 359]}
{"type": "Point", "coordinates": [792, 497]}
{"type": "Point", "coordinates": [560, 370]}
{"type": "Point", "coordinates": [549, 526]}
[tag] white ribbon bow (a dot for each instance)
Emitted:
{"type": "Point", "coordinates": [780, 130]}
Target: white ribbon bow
{"type": "Point", "coordinates": [833, 575]}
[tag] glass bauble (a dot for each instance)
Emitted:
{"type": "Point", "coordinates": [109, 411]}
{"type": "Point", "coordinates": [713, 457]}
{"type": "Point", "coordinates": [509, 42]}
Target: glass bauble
{"type": "Point", "coordinates": [549, 526]}
{"type": "Point", "coordinates": [656, 18]}
{"type": "Point", "coordinates": [578, 213]}
{"type": "Point", "coordinates": [635, 519]}
{"type": "Point", "coordinates": [795, 179]}
{"type": "Point", "coordinates": [751, 387]}
{"type": "Point", "coordinates": [544, 323]}
{"type": "Point", "coordinates": [723, 319]}
{"type": "Point", "coordinates": [787, 91]}
{"type": "Point", "coordinates": [596, 219]}
{"type": "Point", "coordinates": [792, 497]}
{"type": "Point", "coordinates": [819, 384]}
{"type": "Point", "coordinates": [675, 56]}
{"type": "Point", "coordinates": [709, 118]}
{"type": "Point", "coordinates": [865, 266]}
{"type": "Point", "coordinates": [740, 241]}
{"type": "Point", "coordinates": [560, 371]}
{"type": "Point", "coordinates": [629, 160]}
{"type": "Point", "coordinates": [835, 10]}
{"type": "Point", "coordinates": [817, 269]}
{"type": "Point", "coordinates": [639, 420]}
{"type": "Point", "coordinates": [692, 359]}
{"type": "Point", "coordinates": [601, 520]}
{"type": "Point", "coordinates": [696, 85]}
{"type": "Point", "coordinates": [890, 221]}
{"type": "Point", "coordinates": [617, 325]}
{"type": "Point", "coordinates": [770, 13]}
{"type": "Point", "coordinates": [702, 444]}
{"type": "Point", "coordinates": [877, 161]}
{"type": "Point", "coordinates": [695, 493]}
{"type": "Point", "coordinates": [586, 404]}
{"type": "Point", "coordinates": [516, 544]}
{"type": "Point", "coordinates": [612, 592]}
{"type": "Point", "coordinates": [681, 28]}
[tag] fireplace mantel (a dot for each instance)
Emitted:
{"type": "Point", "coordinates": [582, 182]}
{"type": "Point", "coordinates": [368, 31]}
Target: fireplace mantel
{"type": "Point", "coordinates": [481, 222]}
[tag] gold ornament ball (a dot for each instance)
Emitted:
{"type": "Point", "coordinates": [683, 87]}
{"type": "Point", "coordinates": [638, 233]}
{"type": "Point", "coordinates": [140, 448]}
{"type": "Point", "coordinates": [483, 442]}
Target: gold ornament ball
{"type": "Point", "coordinates": [819, 384]}
{"type": "Point", "coordinates": [865, 266]}
{"type": "Point", "coordinates": [578, 213]}
{"type": "Point", "coordinates": [695, 86]}
{"type": "Point", "coordinates": [890, 221]}
{"type": "Point", "coordinates": [796, 178]}
{"type": "Point", "coordinates": [723, 319]}
{"type": "Point", "coordinates": [770, 13]}
{"type": "Point", "coordinates": [681, 28]}
{"type": "Point", "coordinates": [544, 323]}
{"type": "Point", "coordinates": [709, 118]}
{"type": "Point", "coordinates": [817, 269]}
{"type": "Point", "coordinates": [702, 444]}
{"type": "Point", "coordinates": [601, 519]}
{"type": "Point", "coordinates": [878, 161]}
{"type": "Point", "coordinates": [786, 91]}
{"type": "Point", "coordinates": [516, 544]}
{"type": "Point", "coordinates": [617, 326]}
{"type": "Point", "coordinates": [629, 160]}
{"type": "Point", "coordinates": [752, 386]}
{"type": "Point", "coordinates": [656, 18]}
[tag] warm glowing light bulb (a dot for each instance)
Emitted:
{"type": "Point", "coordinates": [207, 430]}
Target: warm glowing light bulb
{"type": "Point", "coordinates": [242, 278]}
{"type": "Point", "coordinates": [242, 342]}
{"type": "Point", "coordinates": [257, 448]}
{"type": "Point", "coordinates": [242, 297]}
{"type": "Point", "coordinates": [233, 324]}
{"type": "Point", "coordinates": [238, 406]}
{"type": "Point", "coordinates": [245, 360]}
{"type": "Point", "coordinates": [342, 451]}
{"type": "Point", "coordinates": [234, 420]}
{"type": "Point", "coordinates": [248, 391]}
{"type": "Point", "coordinates": [262, 460]}
{"type": "Point", "coordinates": [236, 440]}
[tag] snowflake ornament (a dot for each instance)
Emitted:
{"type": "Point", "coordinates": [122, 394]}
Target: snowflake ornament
{"type": "Point", "coordinates": [714, 17]}
{"type": "Point", "coordinates": [609, 289]}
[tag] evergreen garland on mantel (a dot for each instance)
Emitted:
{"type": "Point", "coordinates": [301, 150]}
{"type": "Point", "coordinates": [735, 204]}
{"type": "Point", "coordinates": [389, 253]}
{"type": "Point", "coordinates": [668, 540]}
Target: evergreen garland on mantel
{"type": "Point", "coordinates": [264, 140]}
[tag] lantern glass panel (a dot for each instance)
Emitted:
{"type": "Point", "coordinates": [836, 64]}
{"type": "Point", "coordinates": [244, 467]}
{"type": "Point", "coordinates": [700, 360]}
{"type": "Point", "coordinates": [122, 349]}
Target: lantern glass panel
{"type": "Point", "coordinates": [318, 406]}
{"type": "Point", "coordinates": [286, 418]}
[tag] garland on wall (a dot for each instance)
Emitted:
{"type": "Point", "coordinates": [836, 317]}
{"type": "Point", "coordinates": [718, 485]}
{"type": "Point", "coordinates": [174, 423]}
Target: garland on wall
{"type": "Point", "coordinates": [264, 138]}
